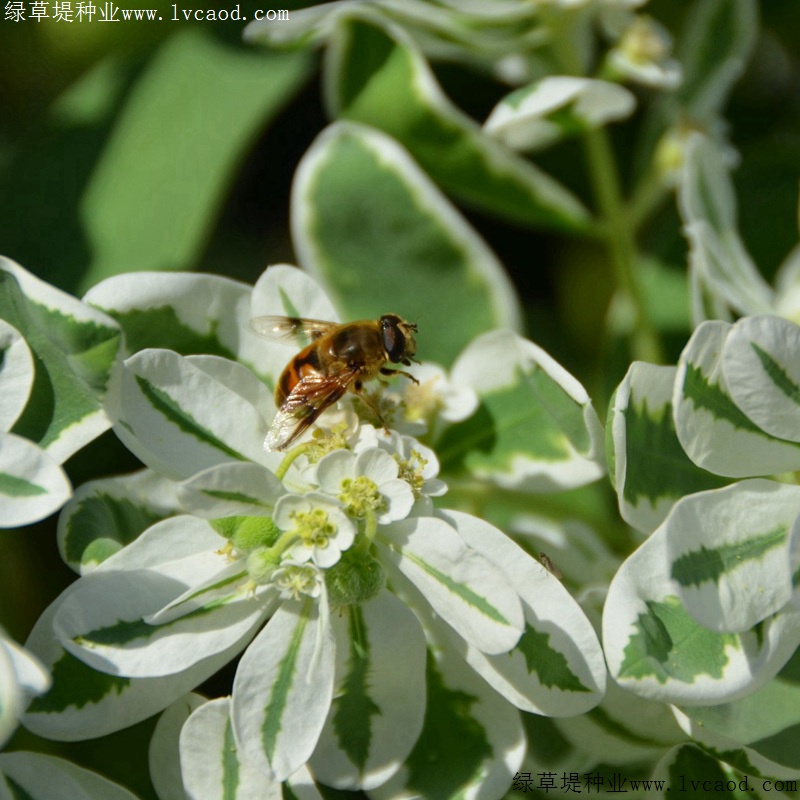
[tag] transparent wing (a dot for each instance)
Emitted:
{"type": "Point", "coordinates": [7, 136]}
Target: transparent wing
{"type": "Point", "coordinates": [286, 329]}
{"type": "Point", "coordinates": [309, 398]}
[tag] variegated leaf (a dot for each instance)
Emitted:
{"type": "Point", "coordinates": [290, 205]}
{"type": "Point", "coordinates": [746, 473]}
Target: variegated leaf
{"type": "Point", "coordinates": [437, 247]}
{"type": "Point", "coordinates": [164, 757]}
{"type": "Point", "coordinates": [730, 552]}
{"type": "Point", "coordinates": [535, 428]}
{"type": "Point", "coordinates": [470, 761]}
{"type": "Point", "coordinates": [105, 515]}
{"type": "Point", "coordinates": [75, 348]}
{"type": "Point", "coordinates": [556, 107]}
{"type": "Point", "coordinates": [756, 734]}
{"type": "Point", "coordinates": [283, 690]}
{"type": "Point", "coordinates": [210, 763]}
{"type": "Point", "coordinates": [711, 428]}
{"type": "Point", "coordinates": [378, 709]}
{"type": "Point", "coordinates": [180, 416]}
{"type": "Point", "coordinates": [105, 620]}
{"type": "Point", "coordinates": [16, 375]}
{"type": "Point", "coordinates": [650, 468]}
{"type": "Point", "coordinates": [557, 666]}
{"type": "Point", "coordinates": [432, 129]}
{"type": "Point", "coordinates": [35, 776]}
{"type": "Point", "coordinates": [761, 362]}
{"type": "Point", "coordinates": [462, 586]}
{"type": "Point", "coordinates": [32, 484]}
{"type": "Point", "coordinates": [84, 703]}
{"type": "Point", "coordinates": [656, 649]}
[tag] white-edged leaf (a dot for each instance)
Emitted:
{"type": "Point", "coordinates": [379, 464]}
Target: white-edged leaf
{"type": "Point", "coordinates": [179, 420]}
{"type": "Point", "coordinates": [759, 729]}
{"type": "Point", "coordinates": [16, 375]}
{"type": "Point", "coordinates": [717, 255]}
{"type": "Point", "coordinates": [36, 775]}
{"type": "Point", "coordinates": [210, 762]}
{"type": "Point", "coordinates": [283, 689]}
{"type": "Point", "coordinates": [75, 348]}
{"type": "Point", "coordinates": [104, 623]}
{"type": "Point", "coordinates": [761, 362]}
{"type": "Point", "coordinates": [231, 489]}
{"type": "Point", "coordinates": [164, 758]}
{"type": "Point", "coordinates": [22, 677]}
{"type": "Point", "coordinates": [730, 552]}
{"type": "Point", "coordinates": [84, 703]}
{"type": "Point", "coordinates": [462, 586]}
{"type": "Point", "coordinates": [187, 312]}
{"type": "Point", "coordinates": [32, 484]}
{"type": "Point", "coordinates": [556, 107]}
{"type": "Point", "coordinates": [711, 428]}
{"type": "Point", "coordinates": [105, 515]}
{"type": "Point", "coordinates": [557, 666]}
{"type": "Point", "coordinates": [452, 759]}
{"type": "Point", "coordinates": [656, 649]}
{"type": "Point", "coordinates": [414, 233]}
{"type": "Point", "coordinates": [623, 729]}
{"type": "Point", "coordinates": [378, 709]}
{"type": "Point", "coordinates": [423, 119]}
{"type": "Point", "coordinates": [535, 428]}
{"type": "Point", "coordinates": [651, 469]}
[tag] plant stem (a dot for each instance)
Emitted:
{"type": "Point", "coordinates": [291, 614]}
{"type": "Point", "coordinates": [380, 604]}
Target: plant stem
{"type": "Point", "coordinates": [619, 237]}
{"type": "Point", "coordinates": [615, 222]}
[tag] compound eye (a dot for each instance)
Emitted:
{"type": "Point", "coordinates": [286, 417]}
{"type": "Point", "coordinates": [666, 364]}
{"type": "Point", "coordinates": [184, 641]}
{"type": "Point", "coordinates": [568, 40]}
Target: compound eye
{"type": "Point", "coordinates": [394, 340]}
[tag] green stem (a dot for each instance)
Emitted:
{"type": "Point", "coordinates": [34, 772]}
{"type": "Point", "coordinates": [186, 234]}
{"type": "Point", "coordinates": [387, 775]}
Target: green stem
{"type": "Point", "coordinates": [289, 459]}
{"type": "Point", "coordinates": [615, 223]}
{"type": "Point", "coordinates": [619, 237]}
{"type": "Point", "coordinates": [370, 529]}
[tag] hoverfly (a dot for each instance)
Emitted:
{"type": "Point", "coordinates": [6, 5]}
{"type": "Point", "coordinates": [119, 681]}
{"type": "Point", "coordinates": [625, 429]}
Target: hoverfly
{"type": "Point", "coordinates": [341, 357]}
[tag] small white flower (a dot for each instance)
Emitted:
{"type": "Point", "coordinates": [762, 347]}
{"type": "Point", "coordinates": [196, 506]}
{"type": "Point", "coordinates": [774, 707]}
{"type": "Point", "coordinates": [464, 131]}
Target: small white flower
{"type": "Point", "coordinates": [643, 55]}
{"type": "Point", "coordinates": [323, 531]}
{"type": "Point", "coordinates": [294, 580]}
{"type": "Point", "coordinates": [367, 484]}
{"type": "Point", "coordinates": [420, 406]}
{"type": "Point", "coordinates": [418, 466]}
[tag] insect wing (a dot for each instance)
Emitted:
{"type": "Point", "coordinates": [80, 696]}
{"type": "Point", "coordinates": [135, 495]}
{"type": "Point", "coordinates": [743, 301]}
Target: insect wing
{"type": "Point", "coordinates": [309, 398]}
{"type": "Point", "coordinates": [287, 329]}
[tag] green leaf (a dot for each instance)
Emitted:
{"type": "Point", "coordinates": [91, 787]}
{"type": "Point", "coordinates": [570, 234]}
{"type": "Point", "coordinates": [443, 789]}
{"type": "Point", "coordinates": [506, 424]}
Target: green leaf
{"type": "Point", "coordinates": [713, 50]}
{"type": "Point", "coordinates": [73, 348]}
{"type": "Point", "coordinates": [354, 702]}
{"type": "Point", "coordinates": [369, 224]}
{"type": "Point", "coordinates": [534, 429]}
{"type": "Point", "coordinates": [761, 369]}
{"type": "Point", "coordinates": [381, 79]}
{"type": "Point", "coordinates": [689, 769]}
{"type": "Point", "coordinates": [669, 645]}
{"type": "Point", "coordinates": [471, 741]}
{"type": "Point", "coordinates": [106, 515]}
{"type": "Point", "coordinates": [652, 470]}
{"type": "Point", "coordinates": [377, 712]}
{"type": "Point", "coordinates": [730, 553]}
{"type": "Point", "coordinates": [550, 666]}
{"type": "Point", "coordinates": [709, 421]}
{"type": "Point", "coordinates": [764, 724]}
{"type": "Point", "coordinates": [554, 108]}
{"type": "Point", "coordinates": [159, 185]}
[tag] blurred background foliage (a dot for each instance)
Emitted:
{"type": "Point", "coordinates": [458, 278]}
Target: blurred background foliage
{"type": "Point", "coordinates": [172, 145]}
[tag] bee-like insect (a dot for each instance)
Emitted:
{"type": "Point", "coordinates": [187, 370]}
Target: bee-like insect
{"type": "Point", "coordinates": [341, 357]}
